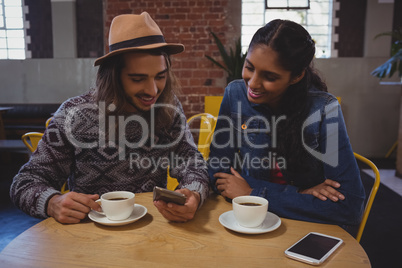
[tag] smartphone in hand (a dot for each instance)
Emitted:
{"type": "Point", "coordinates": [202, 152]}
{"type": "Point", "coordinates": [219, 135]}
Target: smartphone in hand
{"type": "Point", "coordinates": [314, 248]}
{"type": "Point", "coordinates": [169, 196]}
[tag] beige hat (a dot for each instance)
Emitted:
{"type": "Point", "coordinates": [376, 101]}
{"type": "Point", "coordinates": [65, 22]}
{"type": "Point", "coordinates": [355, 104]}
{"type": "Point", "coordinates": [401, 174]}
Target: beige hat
{"type": "Point", "coordinates": [136, 32]}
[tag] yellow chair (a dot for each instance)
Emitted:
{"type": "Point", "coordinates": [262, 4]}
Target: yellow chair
{"type": "Point", "coordinates": [31, 140]}
{"type": "Point", "coordinates": [172, 183]}
{"type": "Point", "coordinates": [212, 104]}
{"type": "Point", "coordinates": [371, 197]}
{"type": "Point", "coordinates": [48, 121]}
{"type": "Point", "coordinates": [392, 149]}
{"type": "Point", "coordinates": [205, 131]}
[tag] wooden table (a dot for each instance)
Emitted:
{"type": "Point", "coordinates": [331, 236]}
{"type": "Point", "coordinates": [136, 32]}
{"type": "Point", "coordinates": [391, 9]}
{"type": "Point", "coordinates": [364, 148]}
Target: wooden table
{"type": "Point", "coordinates": [154, 242]}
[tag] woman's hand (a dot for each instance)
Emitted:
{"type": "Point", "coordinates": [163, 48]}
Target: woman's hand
{"type": "Point", "coordinates": [325, 190]}
{"type": "Point", "coordinates": [232, 185]}
{"type": "Point", "coordinates": [71, 207]}
{"type": "Point", "coordinates": [180, 213]}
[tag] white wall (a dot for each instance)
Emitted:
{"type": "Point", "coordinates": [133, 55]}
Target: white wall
{"type": "Point", "coordinates": [45, 80]}
{"type": "Point", "coordinates": [371, 110]}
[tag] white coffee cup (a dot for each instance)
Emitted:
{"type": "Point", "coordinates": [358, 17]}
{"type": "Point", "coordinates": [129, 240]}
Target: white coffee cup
{"type": "Point", "coordinates": [117, 205]}
{"type": "Point", "coordinates": [250, 211]}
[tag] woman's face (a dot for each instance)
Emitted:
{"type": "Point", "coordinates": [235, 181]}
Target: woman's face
{"type": "Point", "coordinates": [265, 79]}
{"type": "Point", "coordinates": [143, 78]}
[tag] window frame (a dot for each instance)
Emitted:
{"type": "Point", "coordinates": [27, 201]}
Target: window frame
{"type": "Point", "coordinates": [254, 17]}
{"type": "Point", "coordinates": [21, 48]}
{"type": "Point", "coordinates": [287, 7]}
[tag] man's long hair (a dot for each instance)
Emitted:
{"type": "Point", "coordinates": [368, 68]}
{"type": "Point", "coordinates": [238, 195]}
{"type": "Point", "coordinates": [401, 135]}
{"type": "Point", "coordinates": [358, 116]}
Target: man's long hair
{"type": "Point", "coordinates": [109, 89]}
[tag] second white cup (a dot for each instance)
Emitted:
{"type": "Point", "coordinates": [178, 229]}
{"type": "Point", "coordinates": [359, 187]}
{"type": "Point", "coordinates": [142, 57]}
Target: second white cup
{"type": "Point", "coordinates": [117, 205]}
{"type": "Point", "coordinates": [250, 211]}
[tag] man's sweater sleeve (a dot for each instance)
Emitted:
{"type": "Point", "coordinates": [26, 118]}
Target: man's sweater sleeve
{"type": "Point", "coordinates": [46, 171]}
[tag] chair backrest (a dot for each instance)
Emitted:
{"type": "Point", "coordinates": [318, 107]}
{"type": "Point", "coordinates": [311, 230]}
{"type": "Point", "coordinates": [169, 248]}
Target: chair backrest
{"type": "Point", "coordinates": [205, 131]}
{"type": "Point", "coordinates": [48, 121]}
{"type": "Point", "coordinates": [31, 140]}
{"type": "Point", "coordinates": [212, 104]}
{"type": "Point", "coordinates": [371, 197]}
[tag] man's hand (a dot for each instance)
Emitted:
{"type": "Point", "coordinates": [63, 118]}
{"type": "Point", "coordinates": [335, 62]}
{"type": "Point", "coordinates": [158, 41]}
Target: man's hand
{"type": "Point", "coordinates": [71, 207]}
{"type": "Point", "coordinates": [232, 185]}
{"type": "Point", "coordinates": [325, 190]}
{"type": "Point", "coordinates": [180, 213]}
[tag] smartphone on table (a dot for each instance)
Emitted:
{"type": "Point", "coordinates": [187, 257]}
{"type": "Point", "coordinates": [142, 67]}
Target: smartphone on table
{"type": "Point", "coordinates": [169, 196]}
{"type": "Point", "coordinates": [314, 248]}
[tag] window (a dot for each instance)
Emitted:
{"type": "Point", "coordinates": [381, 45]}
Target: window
{"type": "Point", "coordinates": [317, 20]}
{"type": "Point", "coordinates": [12, 37]}
{"type": "Point", "coordinates": [287, 4]}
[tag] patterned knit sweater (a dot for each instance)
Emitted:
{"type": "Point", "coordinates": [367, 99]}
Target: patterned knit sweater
{"type": "Point", "coordinates": [78, 147]}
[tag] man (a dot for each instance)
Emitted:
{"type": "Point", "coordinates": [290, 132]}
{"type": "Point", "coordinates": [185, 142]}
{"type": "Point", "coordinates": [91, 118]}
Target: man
{"type": "Point", "coordinates": [122, 135]}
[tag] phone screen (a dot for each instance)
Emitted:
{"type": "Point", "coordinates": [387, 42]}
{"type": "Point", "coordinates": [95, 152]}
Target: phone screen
{"type": "Point", "coordinates": [314, 246]}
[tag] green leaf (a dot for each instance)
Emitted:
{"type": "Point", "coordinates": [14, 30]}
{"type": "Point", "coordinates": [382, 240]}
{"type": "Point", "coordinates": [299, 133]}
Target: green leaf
{"type": "Point", "coordinates": [222, 50]}
{"type": "Point", "coordinates": [389, 67]}
{"type": "Point", "coordinates": [233, 59]}
{"type": "Point", "coordinates": [217, 63]}
{"type": "Point", "coordinates": [395, 34]}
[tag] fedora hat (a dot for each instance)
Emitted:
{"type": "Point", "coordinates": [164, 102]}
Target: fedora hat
{"type": "Point", "coordinates": [132, 32]}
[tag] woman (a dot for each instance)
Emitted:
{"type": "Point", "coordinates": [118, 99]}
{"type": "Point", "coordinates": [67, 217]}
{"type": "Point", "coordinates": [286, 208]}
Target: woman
{"type": "Point", "coordinates": [287, 137]}
{"type": "Point", "coordinates": [121, 136]}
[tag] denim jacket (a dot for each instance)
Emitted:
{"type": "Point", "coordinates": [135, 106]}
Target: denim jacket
{"type": "Point", "coordinates": [244, 134]}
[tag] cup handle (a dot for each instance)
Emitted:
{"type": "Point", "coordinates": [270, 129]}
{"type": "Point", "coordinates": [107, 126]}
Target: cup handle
{"type": "Point", "coordinates": [99, 201]}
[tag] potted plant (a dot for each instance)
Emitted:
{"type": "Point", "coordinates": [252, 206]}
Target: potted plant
{"type": "Point", "coordinates": [388, 69]}
{"type": "Point", "coordinates": [232, 61]}
{"type": "Point", "coordinates": [392, 65]}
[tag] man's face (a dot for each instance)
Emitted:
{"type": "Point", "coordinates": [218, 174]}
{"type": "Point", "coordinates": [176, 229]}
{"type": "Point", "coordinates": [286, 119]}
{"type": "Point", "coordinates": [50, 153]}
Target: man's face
{"type": "Point", "coordinates": [143, 78]}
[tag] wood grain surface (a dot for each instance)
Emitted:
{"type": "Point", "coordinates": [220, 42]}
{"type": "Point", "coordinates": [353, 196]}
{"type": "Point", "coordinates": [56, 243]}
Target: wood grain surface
{"type": "Point", "coordinates": [154, 242]}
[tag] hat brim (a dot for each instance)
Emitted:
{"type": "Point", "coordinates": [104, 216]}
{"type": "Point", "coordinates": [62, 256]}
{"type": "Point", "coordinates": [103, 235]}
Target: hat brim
{"type": "Point", "coordinates": [169, 48]}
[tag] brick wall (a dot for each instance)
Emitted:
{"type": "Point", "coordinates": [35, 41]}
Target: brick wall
{"type": "Point", "coordinates": [190, 23]}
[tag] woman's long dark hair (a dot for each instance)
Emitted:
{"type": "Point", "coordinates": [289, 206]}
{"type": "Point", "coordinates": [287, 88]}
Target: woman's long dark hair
{"type": "Point", "coordinates": [296, 51]}
{"type": "Point", "coordinates": [109, 89]}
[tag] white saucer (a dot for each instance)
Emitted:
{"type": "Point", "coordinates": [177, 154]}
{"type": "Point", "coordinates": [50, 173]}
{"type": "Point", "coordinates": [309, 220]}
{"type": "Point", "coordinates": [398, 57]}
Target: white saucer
{"type": "Point", "coordinates": [271, 222]}
{"type": "Point", "coordinates": [138, 212]}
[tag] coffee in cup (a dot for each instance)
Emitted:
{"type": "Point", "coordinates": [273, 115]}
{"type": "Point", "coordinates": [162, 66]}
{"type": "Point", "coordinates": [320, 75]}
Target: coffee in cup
{"type": "Point", "coordinates": [117, 205]}
{"type": "Point", "coordinates": [250, 211]}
